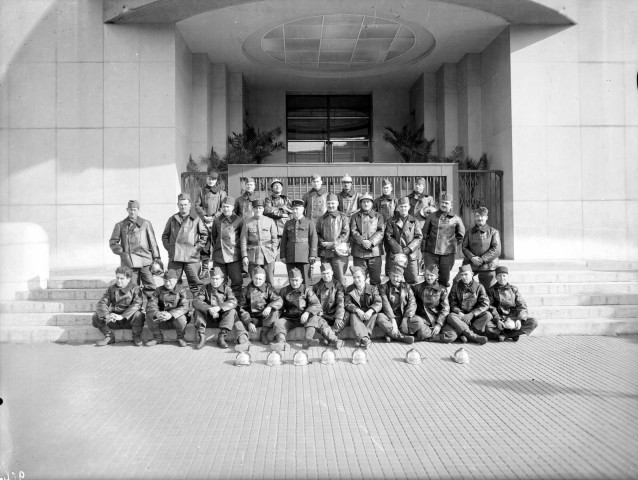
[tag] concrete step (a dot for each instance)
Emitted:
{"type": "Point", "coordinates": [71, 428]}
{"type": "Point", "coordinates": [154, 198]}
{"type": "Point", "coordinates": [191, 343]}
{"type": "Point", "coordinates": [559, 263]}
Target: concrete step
{"type": "Point", "coordinates": [572, 312]}
{"type": "Point", "coordinates": [45, 319]}
{"type": "Point", "coordinates": [55, 294]}
{"type": "Point", "coordinates": [32, 306]}
{"type": "Point", "coordinates": [578, 288]}
{"type": "Point", "coordinates": [576, 276]}
{"type": "Point", "coordinates": [581, 300]}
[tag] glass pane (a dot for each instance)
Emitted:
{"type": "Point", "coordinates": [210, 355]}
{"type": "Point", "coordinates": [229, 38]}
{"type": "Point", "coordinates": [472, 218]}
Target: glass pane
{"type": "Point", "coordinates": [307, 106]}
{"type": "Point", "coordinates": [350, 106]}
{"type": "Point", "coordinates": [350, 152]}
{"type": "Point", "coordinates": [354, 128]}
{"type": "Point", "coordinates": [306, 152]}
{"type": "Point", "coordinates": [307, 129]}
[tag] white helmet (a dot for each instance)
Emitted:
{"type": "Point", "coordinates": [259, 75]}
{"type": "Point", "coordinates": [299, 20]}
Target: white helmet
{"type": "Point", "coordinates": [359, 357]}
{"type": "Point", "coordinates": [461, 356]}
{"type": "Point", "coordinates": [300, 358]}
{"type": "Point", "coordinates": [413, 357]}
{"type": "Point", "coordinates": [328, 357]}
{"type": "Point", "coordinates": [274, 359]}
{"type": "Point", "coordinates": [243, 359]}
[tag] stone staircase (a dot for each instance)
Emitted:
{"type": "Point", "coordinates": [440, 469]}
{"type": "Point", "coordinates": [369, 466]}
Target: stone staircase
{"type": "Point", "coordinates": [568, 298]}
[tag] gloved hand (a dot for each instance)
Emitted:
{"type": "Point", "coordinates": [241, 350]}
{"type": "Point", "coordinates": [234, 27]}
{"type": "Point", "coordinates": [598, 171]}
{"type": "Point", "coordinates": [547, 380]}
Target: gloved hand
{"type": "Point", "coordinates": [266, 311]}
{"type": "Point", "coordinates": [244, 262]}
{"type": "Point", "coordinates": [476, 261]}
{"type": "Point", "coordinates": [519, 324]}
{"type": "Point", "coordinates": [367, 315]}
{"type": "Point", "coordinates": [499, 324]}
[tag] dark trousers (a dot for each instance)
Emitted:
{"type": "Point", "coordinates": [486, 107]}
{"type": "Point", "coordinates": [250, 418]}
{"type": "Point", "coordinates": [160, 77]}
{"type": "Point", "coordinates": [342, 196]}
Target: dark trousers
{"type": "Point", "coordinates": [477, 325]}
{"type": "Point", "coordinates": [259, 320]}
{"type": "Point", "coordinates": [269, 268]}
{"type": "Point", "coordinates": [135, 323]}
{"type": "Point", "coordinates": [371, 267]}
{"type": "Point", "coordinates": [156, 326]}
{"type": "Point", "coordinates": [445, 264]}
{"type": "Point", "coordinates": [225, 321]}
{"type": "Point", "coordinates": [232, 271]}
{"type": "Point", "coordinates": [143, 276]}
{"type": "Point", "coordinates": [304, 268]}
{"type": "Point", "coordinates": [314, 323]}
{"type": "Point", "coordinates": [423, 330]}
{"type": "Point", "coordinates": [359, 328]}
{"type": "Point", "coordinates": [339, 267]}
{"type": "Point", "coordinates": [527, 327]}
{"type": "Point", "coordinates": [192, 274]}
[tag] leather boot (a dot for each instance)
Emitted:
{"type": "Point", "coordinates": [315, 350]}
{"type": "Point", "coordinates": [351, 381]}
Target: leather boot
{"type": "Point", "coordinates": [155, 341]}
{"type": "Point", "coordinates": [221, 339]}
{"type": "Point", "coordinates": [473, 337]}
{"type": "Point", "coordinates": [310, 340]}
{"type": "Point", "coordinates": [280, 343]}
{"type": "Point", "coordinates": [202, 341]}
{"type": "Point", "coordinates": [243, 343]}
{"type": "Point", "coordinates": [365, 342]}
{"type": "Point", "coordinates": [263, 335]}
{"type": "Point", "coordinates": [409, 339]}
{"type": "Point", "coordinates": [108, 339]}
{"type": "Point", "coordinates": [181, 342]}
{"type": "Point", "coordinates": [332, 338]}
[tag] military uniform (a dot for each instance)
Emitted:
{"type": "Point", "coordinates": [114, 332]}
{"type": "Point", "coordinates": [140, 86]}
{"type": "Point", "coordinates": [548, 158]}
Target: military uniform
{"type": "Point", "coordinates": [419, 201]}
{"type": "Point", "coordinates": [244, 205]}
{"type": "Point", "coordinates": [126, 302]}
{"type": "Point", "coordinates": [432, 308]}
{"type": "Point", "coordinates": [225, 236]}
{"type": "Point", "coordinates": [184, 238]}
{"type": "Point", "coordinates": [508, 303]}
{"type": "Point", "coordinates": [209, 201]}
{"type": "Point", "coordinates": [398, 307]}
{"type": "Point", "coordinates": [334, 228]}
{"type": "Point", "coordinates": [469, 313]}
{"type": "Point", "coordinates": [442, 232]}
{"type": "Point", "coordinates": [367, 226]}
{"type": "Point", "coordinates": [385, 205]}
{"type": "Point", "coordinates": [332, 297]}
{"type": "Point", "coordinates": [483, 242]}
{"type": "Point", "coordinates": [314, 203]}
{"type": "Point", "coordinates": [173, 301]}
{"type": "Point", "coordinates": [403, 235]}
{"type": "Point", "coordinates": [227, 319]}
{"type": "Point", "coordinates": [278, 208]}
{"type": "Point", "coordinates": [298, 245]}
{"type": "Point", "coordinates": [366, 299]}
{"type": "Point", "coordinates": [260, 245]}
{"type": "Point", "coordinates": [252, 303]}
{"type": "Point", "coordinates": [348, 202]}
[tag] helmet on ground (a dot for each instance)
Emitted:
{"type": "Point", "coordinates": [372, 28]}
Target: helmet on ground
{"type": "Point", "coordinates": [342, 249]}
{"type": "Point", "coordinates": [274, 359]}
{"type": "Point", "coordinates": [413, 357]}
{"type": "Point", "coordinates": [157, 267]}
{"type": "Point", "coordinates": [328, 357]}
{"type": "Point", "coordinates": [300, 358]}
{"type": "Point", "coordinates": [359, 357]}
{"type": "Point", "coordinates": [243, 359]}
{"type": "Point", "coordinates": [461, 356]}
{"type": "Point", "coordinates": [509, 324]}
{"type": "Point", "coordinates": [400, 259]}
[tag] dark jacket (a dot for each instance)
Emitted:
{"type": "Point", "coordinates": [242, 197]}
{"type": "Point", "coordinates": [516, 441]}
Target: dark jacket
{"type": "Point", "coordinates": [225, 237]}
{"type": "Point", "coordinates": [371, 299]}
{"type": "Point", "coordinates": [468, 298]}
{"type": "Point", "coordinates": [259, 240]}
{"type": "Point", "coordinates": [275, 207]}
{"type": "Point", "coordinates": [244, 205]}
{"type": "Point", "coordinates": [398, 302]}
{"type": "Point", "coordinates": [484, 243]}
{"type": "Point", "coordinates": [431, 302]}
{"type": "Point", "coordinates": [332, 227]}
{"type": "Point", "coordinates": [299, 241]}
{"type": "Point", "coordinates": [184, 238]}
{"type": "Point", "coordinates": [400, 234]}
{"type": "Point", "coordinates": [442, 233]}
{"type": "Point", "coordinates": [418, 201]}
{"type": "Point", "coordinates": [123, 301]}
{"type": "Point", "coordinates": [297, 301]}
{"type": "Point", "coordinates": [385, 206]}
{"type": "Point", "coordinates": [209, 201]}
{"type": "Point", "coordinates": [507, 302]}
{"type": "Point", "coordinates": [173, 301]}
{"type": "Point", "coordinates": [367, 226]}
{"type": "Point", "coordinates": [332, 298]}
{"type": "Point", "coordinates": [135, 243]}
{"type": "Point", "coordinates": [253, 300]}
{"type": "Point", "coordinates": [315, 203]}
{"type": "Point", "coordinates": [348, 202]}
{"type": "Point", "coordinates": [209, 296]}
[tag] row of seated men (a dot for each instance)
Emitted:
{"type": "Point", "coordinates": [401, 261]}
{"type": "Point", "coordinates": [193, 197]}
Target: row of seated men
{"type": "Point", "coordinates": [405, 313]}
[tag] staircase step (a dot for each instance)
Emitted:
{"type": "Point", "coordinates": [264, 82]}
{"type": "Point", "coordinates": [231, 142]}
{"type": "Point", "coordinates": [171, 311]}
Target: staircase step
{"type": "Point", "coordinates": [587, 326]}
{"type": "Point", "coordinates": [577, 276]}
{"type": "Point", "coordinates": [55, 294]}
{"type": "Point", "coordinates": [44, 319]}
{"type": "Point", "coordinates": [581, 300]}
{"type": "Point", "coordinates": [30, 306]}
{"type": "Point", "coordinates": [571, 312]}
{"type": "Point", "coordinates": [577, 288]}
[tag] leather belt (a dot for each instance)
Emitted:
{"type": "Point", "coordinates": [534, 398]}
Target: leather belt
{"type": "Point", "coordinates": [260, 243]}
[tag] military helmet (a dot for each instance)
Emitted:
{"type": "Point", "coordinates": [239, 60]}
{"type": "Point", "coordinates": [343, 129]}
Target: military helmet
{"type": "Point", "coordinates": [509, 324]}
{"type": "Point", "coordinates": [400, 259]}
{"type": "Point", "coordinates": [274, 359]}
{"type": "Point", "coordinates": [461, 356]}
{"type": "Point", "coordinates": [413, 357]}
{"type": "Point", "coordinates": [243, 359]}
{"type": "Point", "coordinates": [300, 358]}
{"type": "Point", "coordinates": [342, 249]}
{"type": "Point", "coordinates": [157, 267]}
{"type": "Point", "coordinates": [328, 357]}
{"type": "Point", "coordinates": [359, 357]}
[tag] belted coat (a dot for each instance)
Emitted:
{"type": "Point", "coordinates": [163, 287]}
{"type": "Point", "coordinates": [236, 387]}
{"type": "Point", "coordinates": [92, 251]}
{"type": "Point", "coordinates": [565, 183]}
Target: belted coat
{"type": "Point", "coordinates": [173, 301]}
{"type": "Point", "coordinates": [184, 238]}
{"type": "Point", "coordinates": [134, 242]}
{"type": "Point", "coordinates": [226, 233]}
{"type": "Point", "coordinates": [332, 227]}
{"type": "Point", "coordinates": [398, 301]}
{"type": "Point", "coordinates": [259, 240]}
{"type": "Point", "coordinates": [403, 233]}
{"type": "Point", "coordinates": [442, 233]}
{"type": "Point", "coordinates": [367, 226]}
{"type": "Point", "coordinates": [299, 241]}
{"type": "Point", "coordinates": [483, 242]}
{"type": "Point", "coordinates": [123, 301]}
{"type": "Point", "coordinates": [315, 203]}
{"type": "Point", "coordinates": [431, 302]}
{"type": "Point", "coordinates": [332, 297]}
{"type": "Point", "coordinates": [278, 208]}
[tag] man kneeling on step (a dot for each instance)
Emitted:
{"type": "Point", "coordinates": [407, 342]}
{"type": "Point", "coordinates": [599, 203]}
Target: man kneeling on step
{"type": "Point", "coordinates": [259, 305]}
{"type": "Point", "coordinates": [301, 308]}
{"type": "Point", "coordinates": [215, 306]}
{"type": "Point", "coordinates": [398, 307]}
{"type": "Point", "coordinates": [167, 308]}
{"type": "Point", "coordinates": [469, 305]}
{"type": "Point", "coordinates": [120, 307]}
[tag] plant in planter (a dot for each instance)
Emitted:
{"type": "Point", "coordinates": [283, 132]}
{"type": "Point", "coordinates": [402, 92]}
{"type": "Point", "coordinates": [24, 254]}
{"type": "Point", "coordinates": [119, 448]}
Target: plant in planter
{"type": "Point", "coordinates": [411, 145]}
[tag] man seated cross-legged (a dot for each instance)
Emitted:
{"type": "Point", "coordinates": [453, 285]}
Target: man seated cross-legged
{"type": "Point", "coordinates": [167, 308]}
{"type": "Point", "coordinates": [259, 305]}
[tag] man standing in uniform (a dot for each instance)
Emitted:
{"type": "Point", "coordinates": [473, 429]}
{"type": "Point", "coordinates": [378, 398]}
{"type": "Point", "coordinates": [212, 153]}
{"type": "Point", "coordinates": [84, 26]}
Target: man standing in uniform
{"type": "Point", "coordinates": [259, 305]}
{"type": "Point", "coordinates": [120, 308]}
{"type": "Point", "coordinates": [442, 233]}
{"type": "Point", "coordinates": [244, 204]}
{"type": "Point", "coordinates": [298, 248]}
{"type": "Point", "coordinates": [482, 248]}
{"type": "Point", "coordinates": [225, 239]}
{"type": "Point", "coordinates": [209, 201]}
{"type": "Point", "coordinates": [333, 229]}
{"type": "Point", "coordinates": [387, 202]}
{"type": "Point", "coordinates": [133, 239]}
{"type": "Point", "coordinates": [362, 303]}
{"type": "Point", "coordinates": [432, 309]}
{"type": "Point", "coordinates": [469, 308]}
{"type": "Point", "coordinates": [398, 303]}
{"type": "Point", "coordinates": [331, 294]}
{"type": "Point", "coordinates": [260, 242]}
{"type": "Point", "coordinates": [184, 237]}
{"type": "Point", "coordinates": [420, 200]}
{"type": "Point", "coordinates": [301, 308]}
{"type": "Point", "coordinates": [366, 233]}
{"type": "Point", "coordinates": [507, 303]}
{"type": "Point", "coordinates": [167, 308]}
{"type": "Point", "coordinates": [348, 197]}
{"type": "Point", "coordinates": [277, 206]}
{"type": "Point", "coordinates": [215, 306]}
{"type": "Point", "coordinates": [314, 201]}
{"type": "Point", "coordinates": [403, 235]}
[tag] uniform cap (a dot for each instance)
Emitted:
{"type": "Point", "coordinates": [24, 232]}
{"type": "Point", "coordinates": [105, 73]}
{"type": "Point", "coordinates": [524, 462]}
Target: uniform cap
{"type": "Point", "coordinates": [212, 173]}
{"type": "Point", "coordinates": [217, 272]}
{"type": "Point", "coordinates": [446, 197]}
{"type": "Point", "coordinates": [432, 269]}
{"type": "Point", "coordinates": [258, 203]}
{"type": "Point", "coordinates": [229, 201]}
{"type": "Point", "coordinates": [346, 178]}
{"type": "Point", "coordinates": [355, 269]}
{"type": "Point", "coordinates": [258, 270]}
{"type": "Point", "coordinates": [316, 176]}
{"type": "Point", "coordinates": [404, 201]}
{"type": "Point", "coordinates": [294, 273]}
{"type": "Point", "coordinates": [397, 270]}
{"type": "Point", "coordinates": [170, 275]}
{"type": "Point", "coordinates": [332, 198]}
{"type": "Point", "coordinates": [297, 203]}
{"type": "Point", "coordinates": [482, 211]}
{"type": "Point", "coordinates": [385, 182]}
{"type": "Point", "coordinates": [420, 181]}
{"type": "Point", "coordinates": [183, 196]}
{"type": "Point", "coordinates": [276, 180]}
{"type": "Point", "coordinates": [326, 267]}
{"type": "Point", "coordinates": [465, 268]}
{"type": "Point", "coordinates": [501, 270]}
{"type": "Point", "coordinates": [133, 204]}
{"type": "Point", "coordinates": [249, 180]}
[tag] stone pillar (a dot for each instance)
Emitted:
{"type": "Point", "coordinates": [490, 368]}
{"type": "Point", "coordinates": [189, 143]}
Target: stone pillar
{"type": "Point", "coordinates": [219, 107]}
{"type": "Point", "coordinates": [446, 109]}
{"type": "Point", "coordinates": [235, 103]}
{"type": "Point", "coordinates": [201, 94]}
{"type": "Point", "coordinates": [469, 105]}
{"type": "Point", "coordinates": [423, 106]}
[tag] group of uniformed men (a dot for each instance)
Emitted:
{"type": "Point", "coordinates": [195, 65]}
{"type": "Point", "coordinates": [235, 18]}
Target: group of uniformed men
{"type": "Point", "coordinates": [248, 234]}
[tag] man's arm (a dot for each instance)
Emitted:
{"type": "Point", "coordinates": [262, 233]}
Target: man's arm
{"type": "Point", "coordinates": [135, 305]}
{"type": "Point", "coordinates": [166, 235]}
{"type": "Point", "coordinates": [494, 251]}
{"type": "Point", "coordinates": [115, 241]}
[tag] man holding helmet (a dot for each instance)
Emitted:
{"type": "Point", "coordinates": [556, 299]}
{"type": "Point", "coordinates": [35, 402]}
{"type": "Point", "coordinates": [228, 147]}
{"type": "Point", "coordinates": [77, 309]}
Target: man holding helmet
{"type": "Point", "coordinates": [403, 235]}
{"type": "Point", "coordinates": [277, 206]}
{"type": "Point", "coordinates": [259, 305]}
{"type": "Point", "coordinates": [362, 303]}
{"type": "Point", "coordinates": [421, 204]}
{"type": "Point", "coordinates": [133, 239]}
{"type": "Point", "coordinates": [398, 306]}
{"type": "Point", "coordinates": [432, 309]}
{"type": "Point", "coordinates": [366, 233]}
{"type": "Point", "coordinates": [333, 229]}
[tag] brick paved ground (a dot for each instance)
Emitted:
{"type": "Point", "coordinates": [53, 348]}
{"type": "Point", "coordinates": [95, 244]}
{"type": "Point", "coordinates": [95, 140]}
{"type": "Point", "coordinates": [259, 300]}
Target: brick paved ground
{"type": "Point", "coordinates": [547, 407]}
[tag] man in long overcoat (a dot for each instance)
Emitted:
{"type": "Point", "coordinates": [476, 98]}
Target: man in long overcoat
{"type": "Point", "coordinates": [298, 248]}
